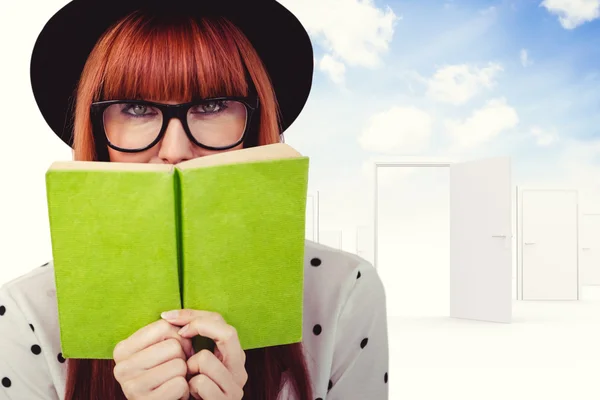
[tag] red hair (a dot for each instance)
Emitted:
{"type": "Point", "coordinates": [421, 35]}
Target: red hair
{"type": "Point", "coordinates": [158, 58]}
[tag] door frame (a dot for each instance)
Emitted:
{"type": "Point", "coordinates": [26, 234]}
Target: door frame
{"type": "Point", "coordinates": [520, 189]}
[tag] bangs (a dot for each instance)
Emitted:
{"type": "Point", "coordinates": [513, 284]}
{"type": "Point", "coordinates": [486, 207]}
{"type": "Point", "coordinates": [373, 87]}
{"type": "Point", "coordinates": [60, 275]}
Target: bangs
{"type": "Point", "coordinates": [173, 58]}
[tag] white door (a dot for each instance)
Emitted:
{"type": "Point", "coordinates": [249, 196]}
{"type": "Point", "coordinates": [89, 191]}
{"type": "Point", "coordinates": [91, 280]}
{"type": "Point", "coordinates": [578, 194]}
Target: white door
{"type": "Point", "coordinates": [590, 249]}
{"type": "Point", "coordinates": [364, 243]}
{"type": "Point", "coordinates": [480, 240]}
{"type": "Point", "coordinates": [309, 226]}
{"type": "Point", "coordinates": [549, 243]}
{"type": "Point", "coordinates": [331, 238]}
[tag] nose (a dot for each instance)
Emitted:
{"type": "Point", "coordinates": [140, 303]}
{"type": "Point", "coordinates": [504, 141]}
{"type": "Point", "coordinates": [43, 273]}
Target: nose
{"type": "Point", "coordinates": [175, 146]}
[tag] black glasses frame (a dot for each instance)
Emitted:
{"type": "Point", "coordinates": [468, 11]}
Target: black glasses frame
{"type": "Point", "coordinates": [170, 111]}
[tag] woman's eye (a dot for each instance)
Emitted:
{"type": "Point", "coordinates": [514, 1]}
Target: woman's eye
{"type": "Point", "coordinates": [210, 107]}
{"type": "Point", "coordinates": [213, 106]}
{"type": "Point", "coordinates": [137, 110]}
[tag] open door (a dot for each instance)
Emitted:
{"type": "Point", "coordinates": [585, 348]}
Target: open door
{"type": "Point", "coordinates": [480, 240]}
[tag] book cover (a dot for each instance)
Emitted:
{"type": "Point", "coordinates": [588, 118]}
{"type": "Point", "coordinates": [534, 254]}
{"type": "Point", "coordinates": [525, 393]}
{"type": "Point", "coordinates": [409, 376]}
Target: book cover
{"type": "Point", "coordinates": [221, 233]}
{"type": "Point", "coordinates": [114, 247]}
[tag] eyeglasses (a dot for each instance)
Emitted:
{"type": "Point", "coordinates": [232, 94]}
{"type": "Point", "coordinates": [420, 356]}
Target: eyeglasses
{"type": "Point", "coordinates": [131, 126]}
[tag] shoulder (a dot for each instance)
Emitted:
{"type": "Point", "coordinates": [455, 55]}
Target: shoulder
{"type": "Point", "coordinates": [35, 295]}
{"type": "Point", "coordinates": [335, 273]}
{"type": "Point", "coordinates": [344, 309]}
{"type": "Point", "coordinates": [335, 284]}
{"type": "Point", "coordinates": [29, 322]}
{"type": "Point", "coordinates": [40, 277]}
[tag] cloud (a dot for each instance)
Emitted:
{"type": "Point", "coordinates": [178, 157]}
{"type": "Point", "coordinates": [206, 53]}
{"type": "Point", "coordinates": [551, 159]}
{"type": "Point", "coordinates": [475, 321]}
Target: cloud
{"type": "Point", "coordinates": [354, 31]}
{"type": "Point", "coordinates": [333, 68]}
{"type": "Point", "coordinates": [405, 130]}
{"type": "Point", "coordinates": [543, 138]}
{"type": "Point", "coordinates": [483, 125]}
{"type": "Point", "coordinates": [525, 60]}
{"type": "Point", "coordinates": [573, 13]}
{"type": "Point", "coordinates": [457, 84]}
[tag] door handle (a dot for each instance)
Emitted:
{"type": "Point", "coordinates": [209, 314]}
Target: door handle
{"type": "Point", "coordinates": [586, 248]}
{"type": "Point", "coordinates": [529, 243]}
{"type": "Point", "coordinates": [499, 236]}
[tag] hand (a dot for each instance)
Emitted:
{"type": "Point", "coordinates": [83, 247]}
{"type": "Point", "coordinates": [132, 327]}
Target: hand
{"type": "Point", "coordinates": [218, 376]}
{"type": "Point", "coordinates": [151, 363]}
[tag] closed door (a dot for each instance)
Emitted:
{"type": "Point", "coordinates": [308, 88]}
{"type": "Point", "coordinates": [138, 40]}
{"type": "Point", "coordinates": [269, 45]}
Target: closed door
{"type": "Point", "coordinates": [331, 238]}
{"type": "Point", "coordinates": [364, 243]}
{"type": "Point", "coordinates": [309, 226]}
{"type": "Point", "coordinates": [590, 249]}
{"type": "Point", "coordinates": [480, 240]}
{"type": "Point", "coordinates": [549, 235]}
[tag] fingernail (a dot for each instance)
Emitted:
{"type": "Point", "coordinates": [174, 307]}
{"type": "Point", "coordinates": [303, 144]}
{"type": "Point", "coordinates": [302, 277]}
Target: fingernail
{"type": "Point", "coordinates": [170, 314]}
{"type": "Point", "coordinates": [182, 330]}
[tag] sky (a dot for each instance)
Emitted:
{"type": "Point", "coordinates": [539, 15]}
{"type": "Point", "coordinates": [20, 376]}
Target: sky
{"type": "Point", "coordinates": [464, 80]}
{"type": "Point", "coordinates": [394, 80]}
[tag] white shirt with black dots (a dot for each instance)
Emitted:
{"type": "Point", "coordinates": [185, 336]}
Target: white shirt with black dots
{"type": "Point", "coordinates": [344, 331]}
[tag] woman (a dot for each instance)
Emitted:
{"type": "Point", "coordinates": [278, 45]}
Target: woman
{"type": "Point", "coordinates": [187, 52]}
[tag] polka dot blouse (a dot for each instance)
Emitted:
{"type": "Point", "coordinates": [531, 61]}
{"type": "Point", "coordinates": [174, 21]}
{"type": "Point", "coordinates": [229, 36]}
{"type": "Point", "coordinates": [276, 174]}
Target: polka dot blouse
{"type": "Point", "coordinates": [345, 331]}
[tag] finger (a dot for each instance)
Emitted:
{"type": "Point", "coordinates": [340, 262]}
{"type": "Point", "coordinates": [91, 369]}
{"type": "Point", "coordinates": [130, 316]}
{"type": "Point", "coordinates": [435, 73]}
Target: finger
{"type": "Point", "coordinates": [218, 354]}
{"type": "Point", "coordinates": [174, 389]}
{"type": "Point", "coordinates": [147, 336]}
{"type": "Point", "coordinates": [203, 388]}
{"type": "Point", "coordinates": [226, 340]}
{"type": "Point", "coordinates": [186, 315]}
{"type": "Point", "coordinates": [154, 378]}
{"type": "Point", "coordinates": [148, 358]}
{"type": "Point", "coordinates": [206, 363]}
{"type": "Point", "coordinates": [216, 328]}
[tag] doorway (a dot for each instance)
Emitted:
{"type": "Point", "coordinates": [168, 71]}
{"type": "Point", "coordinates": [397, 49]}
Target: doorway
{"type": "Point", "coordinates": [471, 268]}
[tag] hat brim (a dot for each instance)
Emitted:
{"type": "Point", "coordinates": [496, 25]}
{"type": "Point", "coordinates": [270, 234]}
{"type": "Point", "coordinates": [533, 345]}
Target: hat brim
{"type": "Point", "coordinates": [63, 46]}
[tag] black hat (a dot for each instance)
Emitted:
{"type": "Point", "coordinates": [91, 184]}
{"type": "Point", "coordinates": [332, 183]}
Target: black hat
{"type": "Point", "coordinates": [67, 39]}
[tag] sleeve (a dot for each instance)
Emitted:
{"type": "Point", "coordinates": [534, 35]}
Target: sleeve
{"type": "Point", "coordinates": [24, 373]}
{"type": "Point", "coordinates": [361, 355]}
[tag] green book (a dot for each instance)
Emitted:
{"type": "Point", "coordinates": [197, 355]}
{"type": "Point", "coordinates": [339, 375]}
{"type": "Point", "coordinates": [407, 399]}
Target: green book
{"type": "Point", "coordinates": [222, 233]}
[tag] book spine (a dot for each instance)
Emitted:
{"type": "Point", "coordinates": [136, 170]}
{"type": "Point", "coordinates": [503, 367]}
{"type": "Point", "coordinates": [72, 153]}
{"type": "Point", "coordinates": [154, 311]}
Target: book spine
{"type": "Point", "coordinates": [178, 225]}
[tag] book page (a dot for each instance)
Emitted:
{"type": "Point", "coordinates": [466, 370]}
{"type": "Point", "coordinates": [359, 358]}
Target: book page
{"type": "Point", "coordinates": [260, 153]}
{"type": "Point", "coordinates": [109, 166]}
